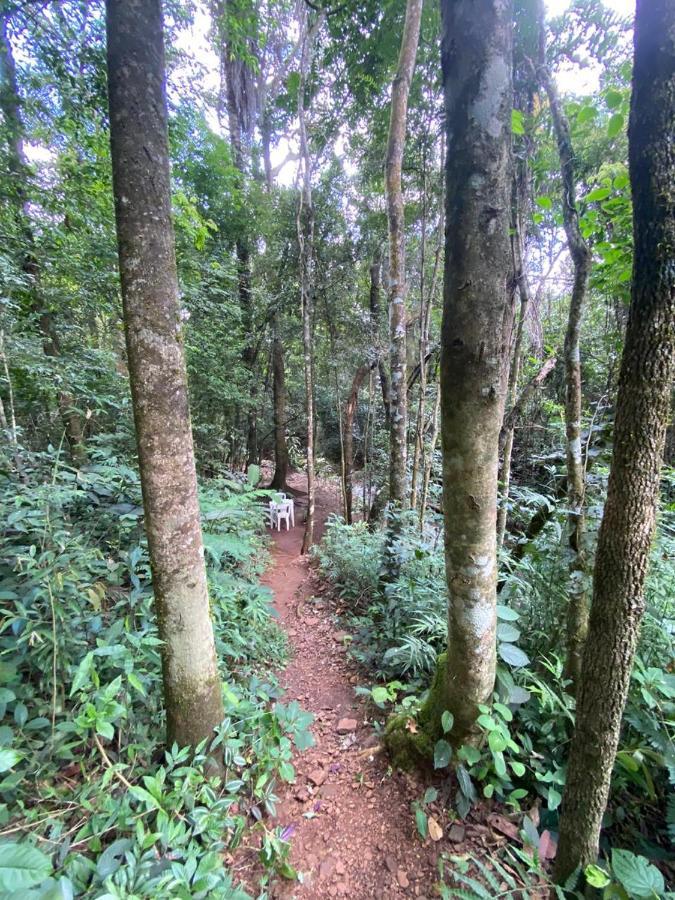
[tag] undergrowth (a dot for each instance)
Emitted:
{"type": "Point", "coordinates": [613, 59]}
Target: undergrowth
{"type": "Point", "coordinates": [399, 631]}
{"type": "Point", "coordinates": [92, 804]}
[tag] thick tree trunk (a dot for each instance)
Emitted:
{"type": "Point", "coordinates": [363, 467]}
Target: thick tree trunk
{"type": "Point", "coordinates": [281, 463]}
{"type": "Point", "coordinates": [398, 494]}
{"type": "Point", "coordinates": [476, 337]}
{"type": "Point", "coordinates": [647, 369]}
{"type": "Point", "coordinates": [577, 612]}
{"type": "Point", "coordinates": [348, 436]}
{"type": "Point", "coordinates": [152, 319]}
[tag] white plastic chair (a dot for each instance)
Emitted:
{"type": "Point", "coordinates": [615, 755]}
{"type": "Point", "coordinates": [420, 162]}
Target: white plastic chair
{"type": "Point", "coordinates": [283, 511]}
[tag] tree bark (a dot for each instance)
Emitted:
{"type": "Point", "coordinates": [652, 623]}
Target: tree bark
{"type": "Point", "coordinates": [647, 368]}
{"type": "Point", "coordinates": [577, 612]}
{"type": "Point", "coordinates": [429, 460]}
{"type": "Point", "coordinates": [348, 436]}
{"type": "Point", "coordinates": [475, 337]}
{"type": "Point", "coordinates": [375, 318]}
{"type": "Point", "coordinates": [398, 494]}
{"type": "Point", "coordinates": [305, 230]}
{"type": "Point", "coordinates": [154, 337]}
{"type": "Point", "coordinates": [281, 462]}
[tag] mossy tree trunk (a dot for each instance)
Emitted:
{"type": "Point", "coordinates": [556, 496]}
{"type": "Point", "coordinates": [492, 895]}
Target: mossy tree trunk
{"type": "Point", "coordinates": [475, 336]}
{"type": "Point", "coordinates": [154, 336]}
{"type": "Point", "coordinates": [643, 401]}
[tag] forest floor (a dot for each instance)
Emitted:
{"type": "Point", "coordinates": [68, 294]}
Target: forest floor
{"type": "Point", "coordinates": [354, 832]}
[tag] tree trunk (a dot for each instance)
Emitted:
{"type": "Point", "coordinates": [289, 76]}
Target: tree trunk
{"type": "Point", "coordinates": [153, 326]}
{"type": "Point", "coordinates": [577, 612]}
{"type": "Point", "coordinates": [429, 459]}
{"type": "Point", "coordinates": [475, 338]}
{"type": "Point", "coordinates": [305, 230]}
{"type": "Point", "coordinates": [375, 316]}
{"type": "Point", "coordinates": [647, 368]}
{"type": "Point", "coordinates": [398, 494]}
{"type": "Point", "coordinates": [281, 463]}
{"type": "Point", "coordinates": [348, 436]}
{"type": "Point", "coordinates": [242, 104]}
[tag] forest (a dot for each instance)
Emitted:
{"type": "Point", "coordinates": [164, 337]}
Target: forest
{"type": "Point", "coordinates": [337, 460]}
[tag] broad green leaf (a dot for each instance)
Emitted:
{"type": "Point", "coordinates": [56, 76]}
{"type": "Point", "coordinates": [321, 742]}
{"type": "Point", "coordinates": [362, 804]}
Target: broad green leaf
{"type": "Point", "coordinates": [544, 202]}
{"type": "Point", "coordinates": [554, 798]}
{"type": "Point", "coordinates": [8, 758]}
{"type": "Point", "coordinates": [507, 632]}
{"type": "Point", "coordinates": [613, 99]}
{"type": "Point", "coordinates": [21, 866]}
{"type": "Point", "coordinates": [513, 655]}
{"type": "Point", "coordinates": [615, 125]}
{"type": "Point", "coordinates": [636, 874]}
{"type": "Point", "coordinates": [506, 614]}
{"type": "Point", "coordinates": [447, 721]}
{"type": "Point", "coordinates": [517, 122]}
{"type": "Point", "coordinates": [586, 113]}
{"type": "Point", "coordinates": [442, 754]}
{"type": "Point", "coordinates": [421, 822]}
{"type": "Point", "coordinates": [596, 877]}
{"type": "Point", "coordinates": [380, 694]}
{"type": "Point", "coordinates": [496, 741]}
{"type": "Point", "coordinates": [598, 194]}
{"type": "Point", "coordinates": [500, 763]}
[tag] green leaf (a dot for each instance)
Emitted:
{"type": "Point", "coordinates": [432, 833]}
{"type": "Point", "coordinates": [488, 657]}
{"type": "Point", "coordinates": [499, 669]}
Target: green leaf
{"type": "Point", "coordinates": [517, 122]}
{"type": "Point", "coordinates": [447, 721]}
{"type": "Point", "coordinates": [442, 754]}
{"type": "Point", "coordinates": [469, 754]}
{"type": "Point", "coordinates": [554, 798]}
{"type": "Point", "coordinates": [503, 711]}
{"type": "Point", "coordinates": [598, 194]}
{"type": "Point", "coordinates": [585, 114]}
{"type": "Point", "coordinates": [620, 182]}
{"type": "Point", "coordinates": [8, 758]}
{"type": "Point", "coordinates": [500, 763]}
{"type": "Point", "coordinates": [506, 632]}
{"type": "Point", "coordinates": [21, 866]}
{"type": "Point", "coordinates": [544, 202]}
{"type": "Point", "coordinates": [496, 741]}
{"type": "Point", "coordinates": [517, 768]}
{"type": "Point", "coordinates": [636, 875]}
{"type": "Point", "coordinates": [596, 877]}
{"type": "Point", "coordinates": [613, 99]}
{"type": "Point", "coordinates": [82, 674]}
{"type": "Point", "coordinates": [466, 784]}
{"type": "Point", "coordinates": [421, 822]}
{"type": "Point", "coordinates": [513, 655]}
{"type": "Point", "coordinates": [380, 695]}
{"type": "Point", "coordinates": [615, 125]}
{"type": "Point", "coordinates": [506, 614]}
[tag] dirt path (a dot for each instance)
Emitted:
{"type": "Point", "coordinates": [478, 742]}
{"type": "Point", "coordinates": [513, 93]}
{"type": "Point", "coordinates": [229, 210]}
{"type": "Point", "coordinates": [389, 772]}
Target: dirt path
{"type": "Point", "coordinates": [360, 839]}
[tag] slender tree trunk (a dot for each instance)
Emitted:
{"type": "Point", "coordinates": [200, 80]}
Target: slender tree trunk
{"type": "Point", "coordinates": [375, 318]}
{"type": "Point", "coordinates": [429, 459]}
{"type": "Point", "coordinates": [577, 612]}
{"type": "Point", "coordinates": [647, 368]}
{"type": "Point", "coordinates": [348, 436]}
{"type": "Point", "coordinates": [398, 494]}
{"type": "Point", "coordinates": [305, 229]}
{"type": "Point", "coordinates": [476, 337]}
{"type": "Point", "coordinates": [141, 184]}
{"type": "Point", "coordinates": [10, 104]}
{"type": "Point", "coordinates": [279, 393]}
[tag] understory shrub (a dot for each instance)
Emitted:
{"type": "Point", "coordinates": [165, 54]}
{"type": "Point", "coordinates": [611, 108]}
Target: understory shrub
{"type": "Point", "coordinates": [91, 803]}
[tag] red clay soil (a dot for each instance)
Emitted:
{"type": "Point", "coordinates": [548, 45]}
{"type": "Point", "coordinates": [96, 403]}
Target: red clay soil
{"type": "Point", "coordinates": [354, 830]}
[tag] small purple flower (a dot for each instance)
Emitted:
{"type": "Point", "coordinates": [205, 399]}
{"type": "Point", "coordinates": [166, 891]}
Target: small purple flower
{"type": "Point", "coordinates": [287, 832]}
